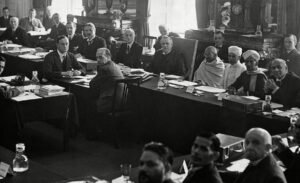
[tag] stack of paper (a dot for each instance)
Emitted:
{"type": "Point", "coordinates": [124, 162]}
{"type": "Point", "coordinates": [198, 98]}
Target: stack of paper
{"type": "Point", "coordinates": [182, 83]}
{"type": "Point", "coordinates": [210, 89]}
{"type": "Point", "coordinates": [30, 56]}
{"type": "Point", "coordinates": [49, 90]}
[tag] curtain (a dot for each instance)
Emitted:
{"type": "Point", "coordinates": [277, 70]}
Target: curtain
{"type": "Point", "coordinates": [143, 14]}
{"type": "Point", "coordinates": [202, 13]}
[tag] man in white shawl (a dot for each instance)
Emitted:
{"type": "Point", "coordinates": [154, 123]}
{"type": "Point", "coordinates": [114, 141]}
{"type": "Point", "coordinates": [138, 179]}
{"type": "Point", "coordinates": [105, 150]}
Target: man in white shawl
{"type": "Point", "coordinates": [235, 68]}
{"type": "Point", "coordinates": [211, 70]}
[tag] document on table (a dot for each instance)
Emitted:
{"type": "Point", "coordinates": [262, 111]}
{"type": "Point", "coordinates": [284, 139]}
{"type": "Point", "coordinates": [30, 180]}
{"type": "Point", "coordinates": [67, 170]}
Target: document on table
{"type": "Point", "coordinates": [238, 166]}
{"type": "Point", "coordinates": [30, 56]}
{"type": "Point", "coordinates": [9, 78]}
{"type": "Point", "coordinates": [210, 89]}
{"type": "Point", "coordinates": [26, 96]}
{"type": "Point", "coordinates": [182, 83]}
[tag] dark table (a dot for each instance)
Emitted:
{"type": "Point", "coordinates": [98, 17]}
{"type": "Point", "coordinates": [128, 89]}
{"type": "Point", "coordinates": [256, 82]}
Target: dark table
{"type": "Point", "coordinates": [35, 174]}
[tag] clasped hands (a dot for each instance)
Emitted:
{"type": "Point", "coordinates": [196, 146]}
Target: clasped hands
{"type": "Point", "coordinates": [270, 85]}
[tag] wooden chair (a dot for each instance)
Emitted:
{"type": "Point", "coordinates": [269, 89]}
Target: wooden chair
{"type": "Point", "coordinates": [149, 41]}
{"type": "Point", "coordinates": [189, 49]}
{"type": "Point", "coordinates": [122, 105]}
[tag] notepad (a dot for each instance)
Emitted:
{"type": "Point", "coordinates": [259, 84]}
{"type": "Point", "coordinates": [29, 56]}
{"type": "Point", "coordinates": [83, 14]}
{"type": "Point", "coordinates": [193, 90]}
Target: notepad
{"type": "Point", "coordinates": [182, 83]}
{"type": "Point", "coordinates": [210, 89]}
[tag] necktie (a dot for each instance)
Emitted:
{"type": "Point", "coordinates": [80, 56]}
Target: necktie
{"type": "Point", "coordinates": [127, 49]}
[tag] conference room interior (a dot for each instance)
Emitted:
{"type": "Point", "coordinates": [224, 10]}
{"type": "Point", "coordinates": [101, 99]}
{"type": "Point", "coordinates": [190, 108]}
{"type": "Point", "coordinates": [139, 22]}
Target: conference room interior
{"type": "Point", "coordinates": [69, 135]}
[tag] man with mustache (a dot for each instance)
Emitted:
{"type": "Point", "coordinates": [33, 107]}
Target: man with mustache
{"type": "Point", "coordinates": [155, 164]}
{"type": "Point", "coordinates": [204, 152]}
{"type": "Point", "coordinates": [263, 167]}
{"type": "Point", "coordinates": [291, 160]}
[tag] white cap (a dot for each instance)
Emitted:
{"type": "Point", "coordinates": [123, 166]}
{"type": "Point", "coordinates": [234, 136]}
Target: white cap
{"type": "Point", "coordinates": [254, 54]}
{"type": "Point", "coordinates": [235, 50]}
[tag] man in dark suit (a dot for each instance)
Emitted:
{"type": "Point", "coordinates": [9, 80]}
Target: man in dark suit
{"type": "Point", "coordinates": [290, 54]}
{"type": "Point", "coordinates": [130, 52]}
{"type": "Point", "coordinates": [263, 167]}
{"type": "Point", "coordinates": [204, 152]}
{"type": "Point", "coordinates": [284, 86]}
{"type": "Point", "coordinates": [168, 60]}
{"type": "Point", "coordinates": [155, 164]}
{"type": "Point", "coordinates": [58, 28]}
{"type": "Point", "coordinates": [60, 62]}
{"type": "Point", "coordinates": [74, 39]}
{"type": "Point", "coordinates": [290, 159]}
{"type": "Point", "coordinates": [4, 20]}
{"type": "Point", "coordinates": [89, 46]}
{"type": "Point", "coordinates": [102, 90]}
{"type": "Point", "coordinates": [15, 34]}
{"type": "Point", "coordinates": [219, 44]}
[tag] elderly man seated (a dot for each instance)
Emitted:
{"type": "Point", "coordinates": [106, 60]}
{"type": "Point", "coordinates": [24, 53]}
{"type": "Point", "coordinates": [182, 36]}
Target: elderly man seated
{"type": "Point", "coordinates": [204, 153]}
{"type": "Point", "coordinates": [252, 81]}
{"type": "Point", "coordinates": [235, 68]}
{"type": "Point", "coordinates": [155, 164]}
{"type": "Point", "coordinates": [15, 34]}
{"type": "Point", "coordinates": [284, 86]}
{"type": "Point", "coordinates": [263, 167]}
{"type": "Point", "coordinates": [168, 60]}
{"type": "Point", "coordinates": [211, 69]}
{"type": "Point", "coordinates": [31, 23]}
{"type": "Point", "coordinates": [291, 54]}
{"type": "Point", "coordinates": [290, 159]}
{"type": "Point", "coordinates": [130, 52]}
{"type": "Point", "coordinates": [163, 30]}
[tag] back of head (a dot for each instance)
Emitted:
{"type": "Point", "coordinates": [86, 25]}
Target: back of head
{"type": "Point", "coordinates": [215, 145]}
{"type": "Point", "coordinates": [165, 154]}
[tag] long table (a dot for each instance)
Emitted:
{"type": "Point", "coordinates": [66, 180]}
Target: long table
{"type": "Point", "coordinates": [35, 173]}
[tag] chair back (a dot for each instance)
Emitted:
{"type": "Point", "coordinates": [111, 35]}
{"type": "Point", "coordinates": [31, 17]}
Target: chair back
{"type": "Point", "coordinates": [120, 95]}
{"type": "Point", "coordinates": [189, 49]}
{"type": "Point", "coordinates": [149, 41]}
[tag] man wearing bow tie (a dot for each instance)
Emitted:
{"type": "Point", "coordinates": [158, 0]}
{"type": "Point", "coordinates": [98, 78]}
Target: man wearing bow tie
{"type": "Point", "coordinates": [130, 52]}
{"type": "Point", "coordinates": [89, 46]}
{"type": "Point", "coordinates": [284, 86]}
{"type": "Point", "coordinates": [263, 167]}
{"type": "Point", "coordinates": [60, 62]}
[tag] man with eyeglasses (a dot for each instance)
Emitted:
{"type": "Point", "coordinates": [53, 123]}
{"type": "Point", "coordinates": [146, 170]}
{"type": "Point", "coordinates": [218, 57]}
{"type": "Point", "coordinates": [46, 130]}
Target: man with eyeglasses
{"type": "Point", "coordinates": [155, 164]}
{"type": "Point", "coordinates": [252, 81]}
{"type": "Point", "coordinates": [284, 86]}
{"type": "Point", "coordinates": [290, 159]}
{"type": "Point", "coordinates": [204, 153]}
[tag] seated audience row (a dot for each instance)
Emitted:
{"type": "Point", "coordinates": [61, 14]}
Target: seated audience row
{"type": "Point", "coordinates": [156, 160]}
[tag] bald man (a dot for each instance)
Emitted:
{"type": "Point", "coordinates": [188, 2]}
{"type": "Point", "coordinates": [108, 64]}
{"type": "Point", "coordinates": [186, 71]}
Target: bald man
{"type": "Point", "coordinates": [252, 81]}
{"type": "Point", "coordinates": [290, 159]}
{"type": "Point", "coordinates": [168, 60]}
{"type": "Point", "coordinates": [130, 52]}
{"type": "Point", "coordinates": [15, 34]}
{"type": "Point", "coordinates": [284, 86]}
{"type": "Point", "coordinates": [263, 167]}
{"type": "Point", "coordinates": [211, 70]}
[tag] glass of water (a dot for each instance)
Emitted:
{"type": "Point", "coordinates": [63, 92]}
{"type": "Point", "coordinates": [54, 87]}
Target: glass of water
{"type": "Point", "coordinates": [125, 171]}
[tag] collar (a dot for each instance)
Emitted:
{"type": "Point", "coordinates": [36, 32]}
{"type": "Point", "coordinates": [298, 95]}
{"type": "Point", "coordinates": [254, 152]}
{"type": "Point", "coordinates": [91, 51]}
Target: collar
{"type": "Point", "coordinates": [279, 80]}
{"type": "Point", "coordinates": [6, 17]}
{"type": "Point", "coordinates": [130, 45]}
{"type": "Point", "coordinates": [163, 53]}
{"type": "Point", "coordinates": [255, 163]}
{"type": "Point", "coordinates": [91, 38]}
{"type": "Point", "coordinates": [61, 55]}
{"type": "Point", "coordinates": [71, 36]}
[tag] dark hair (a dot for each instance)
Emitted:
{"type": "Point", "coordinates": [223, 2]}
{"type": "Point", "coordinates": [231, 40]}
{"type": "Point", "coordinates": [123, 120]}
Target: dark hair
{"type": "Point", "coordinates": [5, 8]}
{"type": "Point", "coordinates": [72, 23]}
{"type": "Point", "coordinates": [32, 9]}
{"type": "Point", "coordinates": [2, 59]}
{"type": "Point", "coordinates": [165, 154]}
{"type": "Point", "coordinates": [60, 37]}
{"type": "Point", "coordinates": [215, 145]}
{"type": "Point", "coordinates": [292, 36]}
{"type": "Point", "coordinates": [220, 32]}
